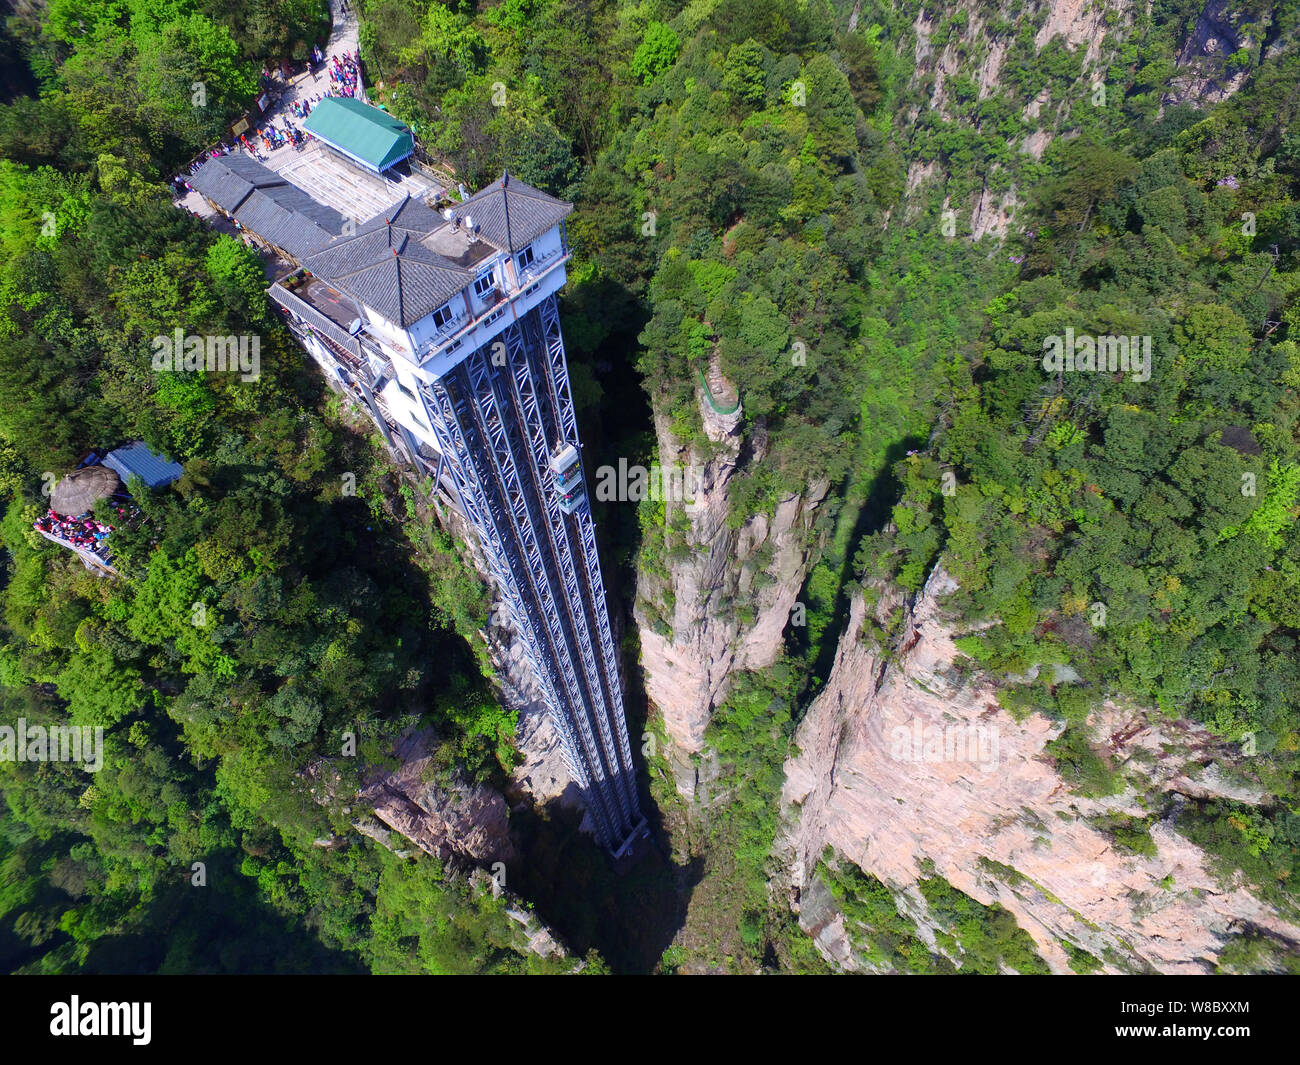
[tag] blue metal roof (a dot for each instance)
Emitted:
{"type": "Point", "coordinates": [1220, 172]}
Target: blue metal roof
{"type": "Point", "coordinates": [136, 460]}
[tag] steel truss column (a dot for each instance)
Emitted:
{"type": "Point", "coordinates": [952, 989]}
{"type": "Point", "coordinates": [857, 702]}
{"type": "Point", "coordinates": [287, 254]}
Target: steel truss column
{"type": "Point", "coordinates": [517, 521]}
{"type": "Point", "coordinates": [525, 398]}
{"type": "Point", "coordinates": [441, 411]}
{"type": "Point", "coordinates": [557, 381]}
{"type": "Point", "coordinates": [498, 427]}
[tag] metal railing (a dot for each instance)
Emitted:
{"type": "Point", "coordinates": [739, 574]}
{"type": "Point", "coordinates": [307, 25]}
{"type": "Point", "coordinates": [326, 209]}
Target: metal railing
{"type": "Point", "coordinates": [539, 266]}
{"type": "Point", "coordinates": [553, 262]}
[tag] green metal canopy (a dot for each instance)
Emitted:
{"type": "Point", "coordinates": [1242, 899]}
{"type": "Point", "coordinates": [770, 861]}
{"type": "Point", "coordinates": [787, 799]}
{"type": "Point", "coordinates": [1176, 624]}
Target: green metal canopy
{"type": "Point", "coordinates": [366, 135]}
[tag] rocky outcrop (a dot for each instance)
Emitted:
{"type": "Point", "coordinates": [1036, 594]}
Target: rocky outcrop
{"type": "Point", "coordinates": [904, 757]}
{"type": "Point", "coordinates": [978, 50]}
{"type": "Point", "coordinates": [993, 213]}
{"type": "Point", "coordinates": [1205, 74]}
{"type": "Point", "coordinates": [414, 801]}
{"type": "Point", "coordinates": [725, 594]}
{"type": "Point", "coordinates": [1080, 23]}
{"type": "Point", "coordinates": [533, 935]}
{"type": "Point", "coordinates": [541, 940]}
{"type": "Point", "coordinates": [447, 819]}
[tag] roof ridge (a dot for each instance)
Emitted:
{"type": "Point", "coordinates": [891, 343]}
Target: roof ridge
{"type": "Point", "coordinates": [344, 238]}
{"type": "Point", "coordinates": [443, 263]}
{"type": "Point", "coordinates": [516, 186]}
{"type": "Point", "coordinates": [358, 270]}
{"type": "Point", "coordinates": [401, 302]}
{"type": "Point", "coordinates": [505, 210]}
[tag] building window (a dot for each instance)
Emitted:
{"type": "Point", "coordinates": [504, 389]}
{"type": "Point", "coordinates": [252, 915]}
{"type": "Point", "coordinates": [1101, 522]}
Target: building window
{"type": "Point", "coordinates": [484, 282]}
{"type": "Point", "coordinates": [442, 316]}
{"type": "Point", "coordinates": [525, 258]}
{"type": "Point", "coordinates": [406, 391]}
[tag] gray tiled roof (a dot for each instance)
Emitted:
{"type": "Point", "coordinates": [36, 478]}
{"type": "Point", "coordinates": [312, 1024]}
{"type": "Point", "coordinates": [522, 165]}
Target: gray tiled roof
{"type": "Point", "coordinates": [280, 218]}
{"type": "Point", "coordinates": [266, 204]}
{"type": "Point", "coordinates": [511, 213]}
{"type": "Point", "coordinates": [229, 179]}
{"type": "Point", "coordinates": [252, 171]}
{"type": "Point", "coordinates": [295, 199]}
{"type": "Point", "coordinates": [389, 266]}
{"type": "Point", "coordinates": [219, 185]}
{"type": "Point", "coordinates": [304, 310]}
{"type": "Point", "coordinates": [385, 267]}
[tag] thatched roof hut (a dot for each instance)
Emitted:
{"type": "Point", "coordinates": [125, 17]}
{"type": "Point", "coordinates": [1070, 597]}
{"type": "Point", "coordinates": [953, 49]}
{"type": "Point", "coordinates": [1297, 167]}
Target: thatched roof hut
{"type": "Point", "coordinates": [80, 490]}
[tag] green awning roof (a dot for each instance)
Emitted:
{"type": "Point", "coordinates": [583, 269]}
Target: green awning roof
{"type": "Point", "coordinates": [371, 137]}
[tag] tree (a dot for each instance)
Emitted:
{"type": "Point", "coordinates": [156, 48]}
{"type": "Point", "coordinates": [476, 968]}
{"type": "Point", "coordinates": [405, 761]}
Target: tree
{"type": "Point", "coordinates": [656, 52]}
{"type": "Point", "coordinates": [744, 71]}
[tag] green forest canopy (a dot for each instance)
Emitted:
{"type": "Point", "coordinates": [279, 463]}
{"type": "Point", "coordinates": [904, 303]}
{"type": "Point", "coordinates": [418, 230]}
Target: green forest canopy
{"type": "Point", "coordinates": [772, 148]}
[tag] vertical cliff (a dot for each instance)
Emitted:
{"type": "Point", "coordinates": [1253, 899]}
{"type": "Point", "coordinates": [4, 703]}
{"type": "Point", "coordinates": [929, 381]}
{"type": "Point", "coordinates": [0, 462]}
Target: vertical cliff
{"type": "Point", "coordinates": [720, 594]}
{"type": "Point", "coordinates": [714, 592]}
{"type": "Point", "coordinates": [978, 801]}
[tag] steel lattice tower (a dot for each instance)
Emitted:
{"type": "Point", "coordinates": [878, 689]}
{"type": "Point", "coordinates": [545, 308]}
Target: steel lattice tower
{"type": "Point", "coordinates": [443, 324]}
{"type": "Point", "coordinates": [505, 424]}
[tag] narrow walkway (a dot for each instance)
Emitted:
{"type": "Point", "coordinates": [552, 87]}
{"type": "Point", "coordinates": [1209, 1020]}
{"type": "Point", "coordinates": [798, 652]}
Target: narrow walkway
{"type": "Point", "coordinates": [343, 38]}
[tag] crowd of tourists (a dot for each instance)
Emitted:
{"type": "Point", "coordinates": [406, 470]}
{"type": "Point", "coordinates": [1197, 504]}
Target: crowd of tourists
{"type": "Point", "coordinates": [345, 77]}
{"type": "Point", "coordinates": [269, 137]}
{"type": "Point", "coordinates": [84, 532]}
{"type": "Point", "coordinates": [345, 74]}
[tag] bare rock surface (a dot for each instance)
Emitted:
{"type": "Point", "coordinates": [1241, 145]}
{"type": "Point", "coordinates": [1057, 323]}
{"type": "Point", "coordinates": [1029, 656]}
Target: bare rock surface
{"type": "Point", "coordinates": [1204, 74]}
{"type": "Point", "coordinates": [1000, 824]}
{"type": "Point", "coordinates": [689, 652]}
{"type": "Point", "coordinates": [445, 819]}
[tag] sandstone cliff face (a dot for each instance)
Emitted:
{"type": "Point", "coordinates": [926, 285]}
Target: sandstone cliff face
{"type": "Point", "coordinates": [693, 633]}
{"type": "Point", "coordinates": [731, 593]}
{"type": "Point", "coordinates": [977, 49]}
{"type": "Point", "coordinates": [1000, 824]}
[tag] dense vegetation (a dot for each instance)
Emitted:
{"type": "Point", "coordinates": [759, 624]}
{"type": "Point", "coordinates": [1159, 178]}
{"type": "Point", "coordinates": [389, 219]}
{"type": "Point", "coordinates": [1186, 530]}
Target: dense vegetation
{"type": "Point", "coordinates": [273, 602]}
{"type": "Point", "coordinates": [1073, 497]}
{"type": "Point", "coordinates": [750, 180]}
{"type": "Point", "coordinates": [965, 936]}
{"type": "Point", "coordinates": [1141, 532]}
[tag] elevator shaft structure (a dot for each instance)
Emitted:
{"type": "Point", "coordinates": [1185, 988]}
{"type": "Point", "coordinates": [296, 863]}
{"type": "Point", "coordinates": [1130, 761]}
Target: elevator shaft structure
{"type": "Point", "coordinates": [506, 428]}
{"type": "Point", "coordinates": [440, 319]}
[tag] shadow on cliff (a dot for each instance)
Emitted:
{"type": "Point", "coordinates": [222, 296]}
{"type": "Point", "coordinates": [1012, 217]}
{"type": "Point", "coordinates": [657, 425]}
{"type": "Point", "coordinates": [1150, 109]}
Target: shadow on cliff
{"type": "Point", "coordinates": [873, 517]}
{"type": "Point", "coordinates": [627, 910]}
